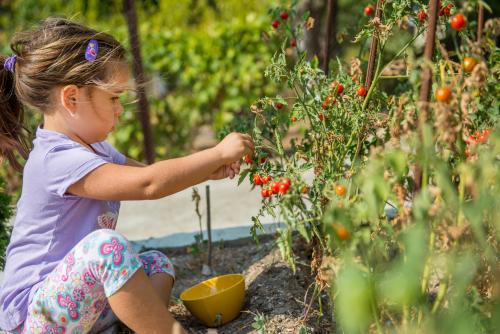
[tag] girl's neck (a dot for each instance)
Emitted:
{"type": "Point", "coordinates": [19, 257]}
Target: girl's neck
{"type": "Point", "coordinates": [53, 124]}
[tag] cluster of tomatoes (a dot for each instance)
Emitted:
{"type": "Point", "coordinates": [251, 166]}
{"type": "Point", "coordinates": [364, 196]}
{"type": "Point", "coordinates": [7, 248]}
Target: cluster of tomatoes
{"type": "Point", "coordinates": [457, 22]}
{"type": "Point", "coordinates": [276, 24]}
{"type": "Point", "coordinates": [337, 90]}
{"type": "Point", "coordinates": [479, 137]}
{"type": "Point", "coordinates": [275, 187]}
{"type": "Point", "coordinates": [443, 94]}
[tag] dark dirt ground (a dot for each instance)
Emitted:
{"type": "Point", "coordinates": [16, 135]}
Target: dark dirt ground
{"type": "Point", "coordinates": [275, 298]}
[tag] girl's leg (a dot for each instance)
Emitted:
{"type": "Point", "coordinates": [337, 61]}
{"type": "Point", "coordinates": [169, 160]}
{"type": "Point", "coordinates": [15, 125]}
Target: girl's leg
{"type": "Point", "coordinates": [102, 267]}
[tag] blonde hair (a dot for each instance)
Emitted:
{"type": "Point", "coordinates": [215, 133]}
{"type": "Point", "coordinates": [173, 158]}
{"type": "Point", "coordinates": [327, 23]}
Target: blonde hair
{"type": "Point", "coordinates": [49, 56]}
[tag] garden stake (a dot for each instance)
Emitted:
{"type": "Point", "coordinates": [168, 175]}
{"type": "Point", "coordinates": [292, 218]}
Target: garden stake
{"type": "Point", "coordinates": [373, 48]}
{"type": "Point", "coordinates": [480, 22]}
{"type": "Point", "coordinates": [207, 270]}
{"type": "Point", "coordinates": [426, 82]}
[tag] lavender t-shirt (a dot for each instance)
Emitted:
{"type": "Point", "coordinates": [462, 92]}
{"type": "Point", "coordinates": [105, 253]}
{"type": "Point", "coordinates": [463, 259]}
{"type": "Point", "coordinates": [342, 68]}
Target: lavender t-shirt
{"type": "Point", "coordinates": [50, 222]}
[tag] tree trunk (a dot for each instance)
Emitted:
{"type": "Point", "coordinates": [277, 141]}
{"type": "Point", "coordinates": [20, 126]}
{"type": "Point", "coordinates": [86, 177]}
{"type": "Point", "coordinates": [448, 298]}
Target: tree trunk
{"type": "Point", "coordinates": [130, 14]}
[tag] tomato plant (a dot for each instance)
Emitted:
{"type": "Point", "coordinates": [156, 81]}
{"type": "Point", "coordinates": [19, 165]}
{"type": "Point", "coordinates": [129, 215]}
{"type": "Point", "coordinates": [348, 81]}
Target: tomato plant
{"type": "Point", "coordinates": [400, 191]}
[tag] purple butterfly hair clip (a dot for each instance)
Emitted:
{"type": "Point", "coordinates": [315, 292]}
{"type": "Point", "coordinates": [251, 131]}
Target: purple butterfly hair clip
{"type": "Point", "coordinates": [10, 63]}
{"type": "Point", "coordinates": [91, 51]}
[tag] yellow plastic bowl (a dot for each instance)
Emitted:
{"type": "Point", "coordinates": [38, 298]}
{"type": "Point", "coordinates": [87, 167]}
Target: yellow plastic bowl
{"type": "Point", "coordinates": [216, 301]}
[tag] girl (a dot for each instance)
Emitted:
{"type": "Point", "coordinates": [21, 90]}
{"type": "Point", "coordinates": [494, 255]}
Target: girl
{"type": "Point", "coordinates": [67, 270]}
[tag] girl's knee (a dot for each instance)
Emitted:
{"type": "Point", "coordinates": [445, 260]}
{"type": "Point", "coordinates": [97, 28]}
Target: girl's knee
{"type": "Point", "coordinates": [156, 262]}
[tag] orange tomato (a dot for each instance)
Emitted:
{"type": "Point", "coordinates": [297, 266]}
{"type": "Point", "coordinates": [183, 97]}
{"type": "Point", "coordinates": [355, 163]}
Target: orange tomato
{"type": "Point", "coordinates": [469, 64]}
{"type": "Point", "coordinates": [340, 190]}
{"type": "Point", "coordinates": [443, 94]}
{"type": "Point", "coordinates": [341, 231]}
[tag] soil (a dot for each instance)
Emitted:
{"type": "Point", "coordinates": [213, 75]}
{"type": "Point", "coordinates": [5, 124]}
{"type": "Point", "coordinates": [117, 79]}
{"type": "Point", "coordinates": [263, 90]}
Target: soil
{"type": "Point", "coordinates": [277, 299]}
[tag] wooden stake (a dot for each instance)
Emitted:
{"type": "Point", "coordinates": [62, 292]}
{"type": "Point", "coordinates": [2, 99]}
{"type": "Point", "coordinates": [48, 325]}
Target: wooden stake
{"type": "Point", "coordinates": [373, 48]}
{"type": "Point", "coordinates": [426, 79]}
{"type": "Point", "coordinates": [480, 22]}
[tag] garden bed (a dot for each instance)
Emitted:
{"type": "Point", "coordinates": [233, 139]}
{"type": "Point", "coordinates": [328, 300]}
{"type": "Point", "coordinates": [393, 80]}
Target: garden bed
{"type": "Point", "coordinates": [274, 294]}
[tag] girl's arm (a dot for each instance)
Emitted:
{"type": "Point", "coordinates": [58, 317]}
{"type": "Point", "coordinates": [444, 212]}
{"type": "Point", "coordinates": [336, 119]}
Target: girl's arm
{"type": "Point", "coordinates": [134, 163]}
{"type": "Point", "coordinates": [119, 182]}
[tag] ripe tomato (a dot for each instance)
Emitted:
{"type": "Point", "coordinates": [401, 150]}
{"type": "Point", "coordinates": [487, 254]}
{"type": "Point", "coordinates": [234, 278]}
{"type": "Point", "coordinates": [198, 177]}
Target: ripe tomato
{"type": "Point", "coordinates": [248, 159]}
{"type": "Point", "coordinates": [294, 119]}
{"type": "Point", "coordinates": [338, 88]}
{"type": "Point", "coordinates": [340, 190]}
{"type": "Point", "coordinates": [275, 24]}
{"type": "Point", "coordinates": [279, 105]}
{"type": "Point", "coordinates": [458, 21]}
{"type": "Point", "coordinates": [275, 187]}
{"type": "Point", "coordinates": [264, 193]}
{"type": "Point", "coordinates": [293, 43]}
{"type": "Point", "coordinates": [305, 190]}
{"type": "Point", "coordinates": [422, 15]}
{"type": "Point", "coordinates": [445, 10]}
{"type": "Point", "coordinates": [321, 116]}
{"type": "Point", "coordinates": [257, 180]}
{"type": "Point", "coordinates": [286, 181]}
{"type": "Point", "coordinates": [263, 159]}
{"type": "Point", "coordinates": [342, 232]}
{"type": "Point", "coordinates": [324, 105]}
{"type": "Point", "coordinates": [361, 91]}
{"type": "Point", "coordinates": [284, 15]}
{"type": "Point", "coordinates": [467, 152]}
{"type": "Point", "coordinates": [283, 188]}
{"type": "Point", "coordinates": [469, 64]}
{"type": "Point", "coordinates": [368, 10]}
{"type": "Point", "coordinates": [443, 94]}
{"type": "Point", "coordinates": [266, 179]}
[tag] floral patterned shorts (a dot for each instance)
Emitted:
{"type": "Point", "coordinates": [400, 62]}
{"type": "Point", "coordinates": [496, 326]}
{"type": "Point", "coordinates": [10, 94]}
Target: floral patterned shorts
{"type": "Point", "coordinates": [73, 297]}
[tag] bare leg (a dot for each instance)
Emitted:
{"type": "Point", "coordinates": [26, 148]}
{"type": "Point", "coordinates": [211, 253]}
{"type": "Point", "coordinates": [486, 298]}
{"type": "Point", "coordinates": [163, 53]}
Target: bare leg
{"type": "Point", "coordinates": [163, 284]}
{"type": "Point", "coordinates": [138, 305]}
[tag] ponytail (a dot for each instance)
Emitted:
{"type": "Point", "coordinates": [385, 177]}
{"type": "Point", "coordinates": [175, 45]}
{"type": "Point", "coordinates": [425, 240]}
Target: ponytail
{"type": "Point", "coordinates": [13, 133]}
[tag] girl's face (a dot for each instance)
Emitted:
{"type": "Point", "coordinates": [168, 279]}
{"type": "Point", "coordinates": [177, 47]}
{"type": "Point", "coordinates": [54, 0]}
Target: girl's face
{"type": "Point", "coordinates": [99, 109]}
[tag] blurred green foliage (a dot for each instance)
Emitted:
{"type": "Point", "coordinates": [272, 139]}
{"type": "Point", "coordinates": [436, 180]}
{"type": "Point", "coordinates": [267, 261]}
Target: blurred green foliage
{"type": "Point", "coordinates": [5, 214]}
{"type": "Point", "coordinates": [204, 61]}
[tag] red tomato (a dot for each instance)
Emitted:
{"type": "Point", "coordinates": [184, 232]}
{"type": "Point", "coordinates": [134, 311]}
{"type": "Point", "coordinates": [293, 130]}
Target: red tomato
{"type": "Point", "coordinates": [264, 193]}
{"type": "Point", "coordinates": [275, 187]}
{"type": "Point", "coordinates": [321, 116]}
{"type": "Point", "coordinates": [324, 105]}
{"type": "Point", "coordinates": [283, 188]}
{"type": "Point", "coordinates": [293, 43]}
{"type": "Point", "coordinates": [248, 159]}
{"type": "Point", "coordinates": [445, 10]}
{"type": "Point", "coordinates": [257, 180]}
{"type": "Point", "coordinates": [286, 181]}
{"type": "Point", "coordinates": [275, 24]}
{"type": "Point", "coordinates": [443, 94]}
{"type": "Point", "coordinates": [422, 15]}
{"type": "Point", "coordinates": [294, 119]}
{"type": "Point", "coordinates": [284, 15]}
{"type": "Point", "coordinates": [458, 21]}
{"type": "Point", "coordinates": [338, 88]}
{"type": "Point", "coordinates": [368, 10]}
{"type": "Point", "coordinates": [279, 105]}
{"type": "Point", "coordinates": [263, 159]}
{"type": "Point", "coordinates": [266, 179]}
{"type": "Point", "coordinates": [361, 91]}
{"type": "Point", "coordinates": [304, 190]}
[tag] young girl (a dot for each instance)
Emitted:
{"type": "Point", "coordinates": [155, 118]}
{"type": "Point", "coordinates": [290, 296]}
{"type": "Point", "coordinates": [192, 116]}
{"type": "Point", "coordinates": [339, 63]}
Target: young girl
{"type": "Point", "coordinates": [67, 270]}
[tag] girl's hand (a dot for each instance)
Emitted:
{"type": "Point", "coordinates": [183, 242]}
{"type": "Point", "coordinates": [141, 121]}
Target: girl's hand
{"type": "Point", "coordinates": [224, 171]}
{"type": "Point", "coordinates": [233, 147]}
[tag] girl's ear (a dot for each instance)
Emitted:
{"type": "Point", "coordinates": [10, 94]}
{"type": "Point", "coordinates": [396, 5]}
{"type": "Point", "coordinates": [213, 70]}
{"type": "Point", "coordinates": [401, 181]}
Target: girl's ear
{"type": "Point", "coordinates": [69, 97]}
